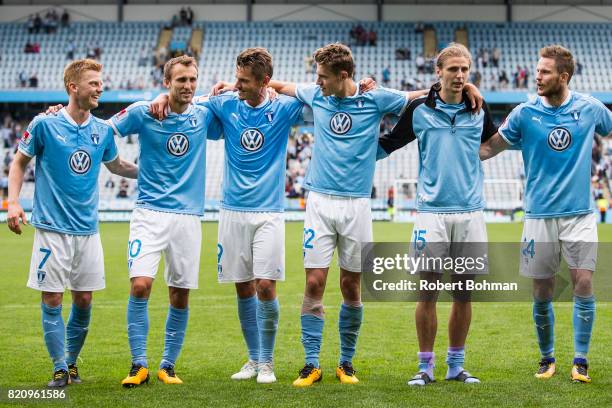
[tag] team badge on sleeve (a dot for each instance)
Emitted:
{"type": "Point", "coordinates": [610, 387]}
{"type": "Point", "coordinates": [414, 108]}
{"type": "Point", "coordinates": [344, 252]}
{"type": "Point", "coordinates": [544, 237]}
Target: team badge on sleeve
{"type": "Point", "coordinates": [26, 137]}
{"type": "Point", "coordinates": [123, 113]}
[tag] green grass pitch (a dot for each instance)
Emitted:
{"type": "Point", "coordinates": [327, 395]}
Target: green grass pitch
{"type": "Point", "coordinates": [501, 347]}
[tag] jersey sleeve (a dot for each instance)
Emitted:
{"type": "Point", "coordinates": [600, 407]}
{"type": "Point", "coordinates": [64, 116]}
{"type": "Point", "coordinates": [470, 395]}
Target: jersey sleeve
{"type": "Point", "coordinates": [295, 110]}
{"type": "Point", "coordinates": [510, 130]}
{"type": "Point", "coordinates": [306, 92]}
{"type": "Point", "coordinates": [389, 101]}
{"type": "Point", "coordinates": [604, 124]}
{"type": "Point", "coordinates": [110, 152]}
{"type": "Point", "coordinates": [214, 130]}
{"type": "Point", "coordinates": [402, 133]}
{"type": "Point", "coordinates": [488, 127]}
{"type": "Point", "coordinates": [31, 142]}
{"type": "Point", "coordinates": [129, 120]}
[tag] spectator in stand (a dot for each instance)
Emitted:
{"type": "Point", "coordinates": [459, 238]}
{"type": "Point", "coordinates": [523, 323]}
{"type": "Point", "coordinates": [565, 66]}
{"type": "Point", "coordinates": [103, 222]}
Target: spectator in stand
{"type": "Point", "coordinates": [70, 49]}
{"type": "Point", "coordinates": [189, 16]}
{"type": "Point", "coordinates": [503, 80]}
{"type": "Point", "coordinates": [23, 79]}
{"type": "Point", "coordinates": [386, 76]}
{"type": "Point", "coordinates": [108, 83]}
{"type": "Point", "coordinates": [476, 78]}
{"type": "Point", "coordinates": [183, 16]}
{"type": "Point", "coordinates": [37, 24]}
{"type": "Point", "coordinates": [143, 57]}
{"type": "Point", "coordinates": [402, 54]}
{"type": "Point", "coordinates": [30, 24]}
{"type": "Point", "coordinates": [420, 64]}
{"type": "Point", "coordinates": [578, 68]}
{"type": "Point", "coordinates": [372, 38]}
{"type": "Point", "coordinates": [28, 47]}
{"type": "Point", "coordinates": [495, 57]}
{"type": "Point", "coordinates": [123, 188]}
{"type": "Point", "coordinates": [91, 53]}
{"type": "Point", "coordinates": [33, 80]}
{"type": "Point", "coordinates": [65, 19]}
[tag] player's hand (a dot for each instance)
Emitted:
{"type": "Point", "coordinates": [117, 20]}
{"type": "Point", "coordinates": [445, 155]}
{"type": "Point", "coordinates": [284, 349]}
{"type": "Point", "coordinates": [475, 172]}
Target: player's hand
{"type": "Point", "coordinates": [15, 213]}
{"type": "Point", "coordinates": [367, 84]}
{"type": "Point", "coordinates": [159, 106]}
{"type": "Point", "coordinates": [474, 96]}
{"type": "Point", "coordinates": [272, 94]}
{"type": "Point", "coordinates": [221, 87]}
{"type": "Point", "coordinates": [52, 110]}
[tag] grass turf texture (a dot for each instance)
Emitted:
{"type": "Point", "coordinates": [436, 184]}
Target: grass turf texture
{"type": "Point", "coordinates": [501, 347]}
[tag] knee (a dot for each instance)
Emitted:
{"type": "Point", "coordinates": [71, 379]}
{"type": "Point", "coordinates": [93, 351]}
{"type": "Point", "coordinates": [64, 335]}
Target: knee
{"type": "Point", "coordinates": [314, 284]}
{"type": "Point", "coordinates": [349, 284]}
{"type": "Point", "coordinates": [179, 297]}
{"type": "Point", "coordinates": [266, 289]}
{"type": "Point", "coordinates": [140, 288]}
{"type": "Point", "coordinates": [583, 286]}
{"type": "Point", "coordinates": [52, 299]}
{"type": "Point", "coordinates": [82, 300]}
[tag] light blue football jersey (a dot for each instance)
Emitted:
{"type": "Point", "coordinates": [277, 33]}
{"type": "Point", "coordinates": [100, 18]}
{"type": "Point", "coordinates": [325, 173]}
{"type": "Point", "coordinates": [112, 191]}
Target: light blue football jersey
{"type": "Point", "coordinates": [172, 164]}
{"type": "Point", "coordinates": [68, 159]}
{"type": "Point", "coordinates": [346, 132]}
{"type": "Point", "coordinates": [556, 144]}
{"type": "Point", "coordinates": [255, 150]}
{"type": "Point", "coordinates": [449, 136]}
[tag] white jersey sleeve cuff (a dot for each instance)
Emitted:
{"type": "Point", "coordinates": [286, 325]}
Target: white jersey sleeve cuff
{"type": "Point", "coordinates": [504, 137]}
{"type": "Point", "coordinates": [25, 153]}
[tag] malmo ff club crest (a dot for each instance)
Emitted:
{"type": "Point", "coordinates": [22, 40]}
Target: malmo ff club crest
{"type": "Point", "coordinates": [252, 139]}
{"type": "Point", "coordinates": [340, 123]}
{"type": "Point", "coordinates": [559, 139]}
{"type": "Point", "coordinates": [177, 144]}
{"type": "Point", "coordinates": [80, 162]}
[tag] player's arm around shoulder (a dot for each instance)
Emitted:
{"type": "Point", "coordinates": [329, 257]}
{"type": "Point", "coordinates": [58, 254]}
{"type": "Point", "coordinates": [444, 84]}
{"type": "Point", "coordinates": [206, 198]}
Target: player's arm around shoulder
{"type": "Point", "coordinates": [402, 133]}
{"type": "Point", "coordinates": [282, 87]}
{"type": "Point", "coordinates": [129, 120]}
{"type": "Point", "coordinates": [15, 181]}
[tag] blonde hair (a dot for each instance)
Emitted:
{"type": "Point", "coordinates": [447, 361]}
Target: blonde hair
{"type": "Point", "coordinates": [337, 57]}
{"type": "Point", "coordinates": [183, 60]}
{"type": "Point", "coordinates": [259, 60]}
{"type": "Point", "coordinates": [73, 71]}
{"type": "Point", "coordinates": [564, 60]}
{"type": "Point", "coordinates": [453, 50]}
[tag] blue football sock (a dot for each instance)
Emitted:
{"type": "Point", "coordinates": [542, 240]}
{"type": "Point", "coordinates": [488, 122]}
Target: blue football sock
{"type": "Point", "coordinates": [312, 335]}
{"type": "Point", "coordinates": [138, 329]}
{"type": "Point", "coordinates": [349, 324]}
{"type": "Point", "coordinates": [54, 333]}
{"type": "Point", "coordinates": [455, 360]}
{"type": "Point", "coordinates": [544, 319]}
{"type": "Point", "coordinates": [267, 321]}
{"type": "Point", "coordinates": [76, 331]}
{"type": "Point", "coordinates": [176, 325]}
{"type": "Point", "coordinates": [247, 313]}
{"type": "Point", "coordinates": [584, 316]}
{"type": "Point", "coordinates": [427, 362]}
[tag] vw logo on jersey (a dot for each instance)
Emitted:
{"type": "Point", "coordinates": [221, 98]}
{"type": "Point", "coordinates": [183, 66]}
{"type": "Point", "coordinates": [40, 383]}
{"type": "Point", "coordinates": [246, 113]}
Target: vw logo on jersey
{"type": "Point", "coordinates": [80, 162]}
{"type": "Point", "coordinates": [559, 139]}
{"type": "Point", "coordinates": [252, 139]}
{"type": "Point", "coordinates": [341, 123]}
{"type": "Point", "coordinates": [177, 144]}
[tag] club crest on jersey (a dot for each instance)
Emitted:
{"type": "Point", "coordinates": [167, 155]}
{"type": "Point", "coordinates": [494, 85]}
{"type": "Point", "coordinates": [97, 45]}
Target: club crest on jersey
{"type": "Point", "coordinates": [559, 139]}
{"type": "Point", "coordinates": [26, 137]}
{"type": "Point", "coordinates": [177, 144]}
{"type": "Point", "coordinates": [360, 103]}
{"type": "Point", "coordinates": [95, 138]}
{"type": "Point", "coordinates": [576, 115]}
{"type": "Point", "coordinates": [270, 116]}
{"type": "Point", "coordinates": [340, 123]}
{"type": "Point", "coordinates": [80, 162]}
{"type": "Point", "coordinates": [193, 120]}
{"type": "Point", "coordinates": [252, 139]}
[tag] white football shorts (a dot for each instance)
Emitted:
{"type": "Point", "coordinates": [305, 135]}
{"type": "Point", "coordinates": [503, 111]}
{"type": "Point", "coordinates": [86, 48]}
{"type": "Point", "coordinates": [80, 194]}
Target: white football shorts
{"type": "Point", "coordinates": [345, 222]}
{"type": "Point", "coordinates": [251, 245]}
{"type": "Point", "coordinates": [177, 236]}
{"type": "Point", "coordinates": [546, 239]}
{"type": "Point", "coordinates": [63, 261]}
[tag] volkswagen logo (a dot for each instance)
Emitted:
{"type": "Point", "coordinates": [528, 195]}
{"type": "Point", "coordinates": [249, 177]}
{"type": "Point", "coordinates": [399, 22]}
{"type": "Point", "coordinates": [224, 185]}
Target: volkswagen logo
{"type": "Point", "coordinates": [252, 139]}
{"type": "Point", "coordinates": [80, 162]}
{"type": "Point", "coordinates": [340, 123]}
{"type": "Point", "coordinates": [559, 139]}
{"type": "Point", "coordinates": [178, 144]}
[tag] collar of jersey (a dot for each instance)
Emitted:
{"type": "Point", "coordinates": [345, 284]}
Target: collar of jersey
{"type": "Point", "coordinates": [565, 102]}
{"type": "Point", "coordinates": [434, 95]}
{"type": "Point", "coordinates": [261, 105]}
{"type": "Point", "coordinates": [68, 118]}
{"type": "Point", "coordinates": [349, 97]}
{"type": "Point", "coordinates": [187, 111]}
